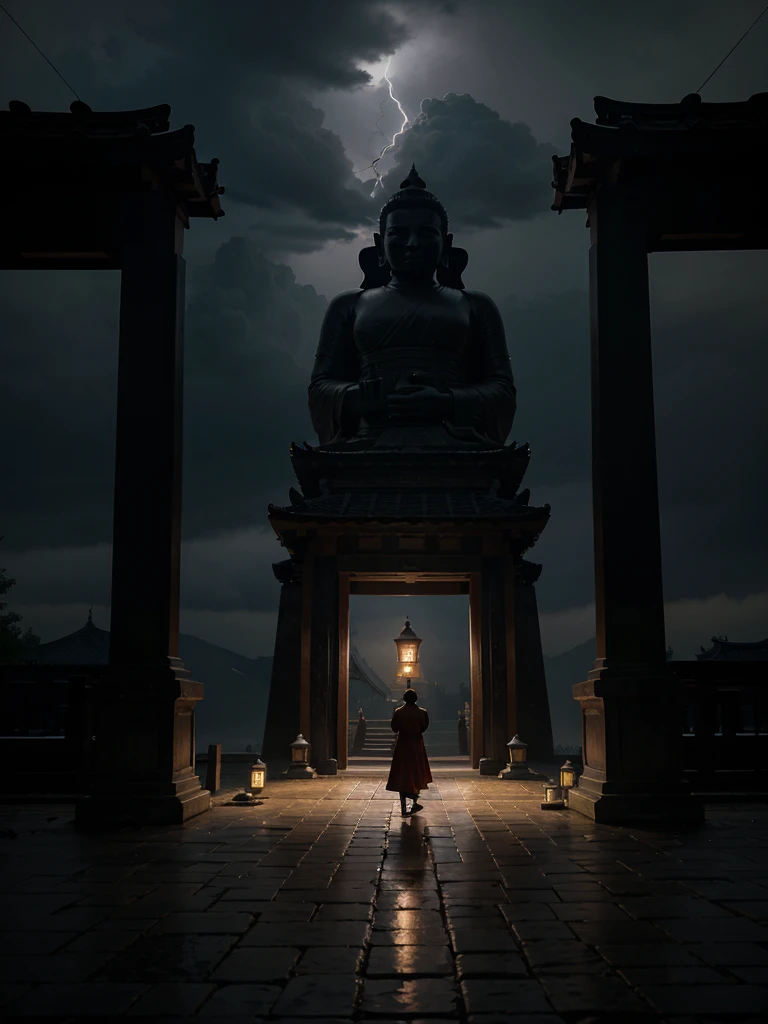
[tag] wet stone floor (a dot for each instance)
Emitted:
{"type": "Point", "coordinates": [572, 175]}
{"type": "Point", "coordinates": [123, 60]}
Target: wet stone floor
{"type": "Point", "coordinates": [324, 904]}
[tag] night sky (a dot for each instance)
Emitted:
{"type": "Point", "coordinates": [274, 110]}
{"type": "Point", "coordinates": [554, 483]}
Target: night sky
{"type": "Point", "coordinates": [287, 95]}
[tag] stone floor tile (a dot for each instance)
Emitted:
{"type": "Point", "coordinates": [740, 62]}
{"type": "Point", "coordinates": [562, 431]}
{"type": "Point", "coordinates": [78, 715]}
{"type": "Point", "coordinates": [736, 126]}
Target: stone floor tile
{"type": "Point", "coordinates": [176, 999]}
{"type": "Point", "coordinates": [331, 960]}
{"type": "Point", "coordinates": [522, 995]}
{"type": "Point", "coordinates": [410, 996]}
{"type": "Point", "coordinates": [643, 977]}
{"type": "Point", "coordinates": [726, 954]}
{"type": "Point", "coordinates": [658, 954]}
{"type": "Point", "coordinates": [708, 999]}
{"type": "Point", "coordinates": [598, 933]}
{"type": "Point", "coordinates": [80, 1000]}
{"type": "Point", "coordinates": [650, 907]}
{"type": "Point", "coordinates": [519, 1018]}
{"type": "Point", "coordinates": [528, 912]}
{"type": "Point", "coordinates": [479, 941]}
{"type": "Point", "coordinates": [543, 895]}
{"type": "Point", "coordinates": [342, 912]}
{"type": "Point", "coordinates": [597, 912]}
{"type": "Point", "coordinates": [729, 929]}
{"type": "Point", "coordinates": [409, 961]}
{"type": "Point", "coordinates": [202, 924]}
{"type": "Point", "coordinates": [61, 967]}
{"type": "Point", "coordinates": [12, 991]}
{"type": "Point", "coordinates": [435, 935]}
{"type": "Point", "coordinates": [304, 996]}
{"type": "Point", "coordinates": [353, 933]}
{"type": "Point", "coordinates": [490, 965]}
{"type": "Point", "coordinates": [34, 943]}
{"type": "Point", "coordinates": [541, 931]}
{"type": "Point", "coordinates": [407, 901]}
{"type": "Point", "coordinates": [256, 964]}
{"type": "Point", "coordinates": [386, 920]}
{"type": "Point", "coordinates": [244, 1000]}
{"type": "Point", "coordinates": [596, 993]}
{"type": "Point", "coordinates": [168, 958]}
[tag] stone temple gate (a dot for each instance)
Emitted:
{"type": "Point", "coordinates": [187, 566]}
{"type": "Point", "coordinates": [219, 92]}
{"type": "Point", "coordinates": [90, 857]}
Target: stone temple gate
{"type": "Point", "coordinates": [447, 524]}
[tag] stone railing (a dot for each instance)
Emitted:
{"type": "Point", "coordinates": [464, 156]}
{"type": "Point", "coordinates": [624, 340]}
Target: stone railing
{"type": "Point", "coordinates": [725, 724]}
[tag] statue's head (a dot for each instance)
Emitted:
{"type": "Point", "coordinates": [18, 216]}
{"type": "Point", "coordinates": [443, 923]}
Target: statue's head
{"type": "Point", "coordinates": [413, 231]}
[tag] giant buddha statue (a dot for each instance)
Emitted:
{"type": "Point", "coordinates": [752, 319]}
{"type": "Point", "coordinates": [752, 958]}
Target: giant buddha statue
{"type": "Point", "coordinates": [412, 359]}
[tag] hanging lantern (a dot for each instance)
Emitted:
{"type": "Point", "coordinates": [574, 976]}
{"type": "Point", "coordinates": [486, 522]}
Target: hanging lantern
{"type": "Point", "coordinates": [258, 775]}
{"type": "Point", "coordinates": [518, 751]}
{"type": "Point", "coordinates": [553, 797]}
{"type": "Point", "coordinates": [408, 644]}
{"type": "Point", "coordinates": [567, 776]}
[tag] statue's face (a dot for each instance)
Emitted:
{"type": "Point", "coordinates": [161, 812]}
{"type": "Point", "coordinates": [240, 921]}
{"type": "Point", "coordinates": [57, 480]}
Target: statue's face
{"type": "Point", "coordinates": [413, 243]}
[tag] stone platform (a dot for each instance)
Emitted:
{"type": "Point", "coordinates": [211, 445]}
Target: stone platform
{"type": "Point", "coordinates": [323, 904]}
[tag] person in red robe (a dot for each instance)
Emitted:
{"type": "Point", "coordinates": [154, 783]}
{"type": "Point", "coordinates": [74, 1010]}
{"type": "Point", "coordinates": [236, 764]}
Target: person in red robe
{"type": "Point", "coordinates": [410, 772]}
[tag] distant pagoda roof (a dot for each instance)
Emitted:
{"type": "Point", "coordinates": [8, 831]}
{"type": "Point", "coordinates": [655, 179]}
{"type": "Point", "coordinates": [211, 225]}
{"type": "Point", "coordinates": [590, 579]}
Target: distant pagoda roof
{"type": "Point", "coordinates": [88, 645]}
{"type": "Point", "coordinates": [723, 649]}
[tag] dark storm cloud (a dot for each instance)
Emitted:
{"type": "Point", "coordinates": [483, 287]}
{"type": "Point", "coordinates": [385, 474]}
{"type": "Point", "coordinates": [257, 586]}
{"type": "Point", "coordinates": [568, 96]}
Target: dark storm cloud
{"type": "Point", "coordinates": [237, 74]}
{"type": "Point", "coordinates": [484, 169]}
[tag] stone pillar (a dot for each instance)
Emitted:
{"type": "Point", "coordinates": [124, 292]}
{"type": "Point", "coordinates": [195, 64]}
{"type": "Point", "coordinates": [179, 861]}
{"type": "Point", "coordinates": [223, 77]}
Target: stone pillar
{"type": "Point", "coordinates": [324, 668]}
{"type": "Point", "coordinates": [534, 724]}
{"type": "Point", "coordinates": [495, 668]}
{"type": "Point", "coordinates": [283, 722]}
{"type": "Point", "coordinates": [144, 748]}
{"type": "Point", "coordinates": [631, 722]}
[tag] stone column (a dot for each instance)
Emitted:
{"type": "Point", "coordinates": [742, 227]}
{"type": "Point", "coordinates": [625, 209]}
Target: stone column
{"type": "Point", "coordinates": [631, 723]}
{"type": "Point", "coordinates": [324, 667]}
{"type": "Point", "coordinates": [283, 722]}
{"type": "Point", "coordinates": [534, 724]}
{"type": "Point", "coordinates": [495, 669]}
{"type": "Point", "coordinates": [144, 747]}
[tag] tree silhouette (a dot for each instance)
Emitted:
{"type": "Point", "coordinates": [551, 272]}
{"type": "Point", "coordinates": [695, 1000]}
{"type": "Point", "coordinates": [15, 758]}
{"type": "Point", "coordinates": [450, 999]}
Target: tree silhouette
{"type": "Point", "coordinates": [14, 645]}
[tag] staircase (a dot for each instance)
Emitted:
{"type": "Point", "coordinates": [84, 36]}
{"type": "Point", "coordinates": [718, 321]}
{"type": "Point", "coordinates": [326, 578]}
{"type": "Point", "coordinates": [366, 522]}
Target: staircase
{"type": "Point", "coordinates": [379, 739]}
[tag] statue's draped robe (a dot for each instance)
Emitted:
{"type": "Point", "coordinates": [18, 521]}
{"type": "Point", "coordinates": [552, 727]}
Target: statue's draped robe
{"type": "Point", "coordinates": [454, 338]}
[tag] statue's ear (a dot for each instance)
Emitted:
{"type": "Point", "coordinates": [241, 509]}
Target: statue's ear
{"type": "Point", "coordinates": [378, 241]}
{"type": "Point", "coordinates": [445, 256]}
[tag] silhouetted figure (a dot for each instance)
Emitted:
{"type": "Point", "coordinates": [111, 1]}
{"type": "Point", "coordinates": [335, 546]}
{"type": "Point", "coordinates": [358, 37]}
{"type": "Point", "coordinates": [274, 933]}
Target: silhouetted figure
{"type": "Point", "coordinates": [410, 772]}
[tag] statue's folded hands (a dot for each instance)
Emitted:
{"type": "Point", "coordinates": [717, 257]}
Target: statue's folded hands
{"type": "Point", "coordinates": [421, 402]}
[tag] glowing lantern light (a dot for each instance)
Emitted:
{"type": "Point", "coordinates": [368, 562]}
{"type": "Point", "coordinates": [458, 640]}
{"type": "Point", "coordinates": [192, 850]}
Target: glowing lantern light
{"type": "Point", "coordinates": [408, 644]}
{"type": "Point", "coordinates": [258, 775]}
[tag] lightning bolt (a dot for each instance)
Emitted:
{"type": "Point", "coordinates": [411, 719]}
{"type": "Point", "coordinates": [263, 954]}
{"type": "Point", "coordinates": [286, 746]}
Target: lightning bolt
{"type": "Point", "coordinates": [399, 132]}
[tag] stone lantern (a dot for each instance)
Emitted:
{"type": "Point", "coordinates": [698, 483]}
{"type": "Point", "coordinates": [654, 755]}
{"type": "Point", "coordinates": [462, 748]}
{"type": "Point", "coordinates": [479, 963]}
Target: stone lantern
{"type": "Point", "coordinates": [299, 768]}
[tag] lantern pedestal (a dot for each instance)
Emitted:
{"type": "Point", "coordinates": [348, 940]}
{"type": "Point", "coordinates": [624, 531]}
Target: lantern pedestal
{"type": "Point", "coordinates": [516, 773]}
{"type": "Point", "coordinates": [299, 771]}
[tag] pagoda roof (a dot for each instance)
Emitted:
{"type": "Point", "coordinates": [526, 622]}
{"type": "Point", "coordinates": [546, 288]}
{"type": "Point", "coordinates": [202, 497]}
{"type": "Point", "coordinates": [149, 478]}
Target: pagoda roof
{"type": "Point", "coordinates": [94, 150]}
{"type": "Point", "coordinates": [731, 650]}
{"type": "Point", "coordinates": [88, 645]}
{"type": "Point", "coordinates": [347, 467]}
{"type": "Point", "coordinates": [412, 505]}
{"type": "Point", "coordinates": [697, 139]}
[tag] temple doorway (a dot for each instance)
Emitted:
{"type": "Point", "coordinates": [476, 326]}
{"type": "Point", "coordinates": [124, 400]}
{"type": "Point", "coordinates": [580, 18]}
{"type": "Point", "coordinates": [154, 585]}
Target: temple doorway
{"type": "Point", "coordinates": [430, 653]}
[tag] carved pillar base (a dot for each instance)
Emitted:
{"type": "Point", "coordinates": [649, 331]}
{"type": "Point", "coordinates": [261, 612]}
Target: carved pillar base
{"type": "Point", "coordinates": [144, 749]}
{"type": "Point", "coordinates": [632, 746]}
